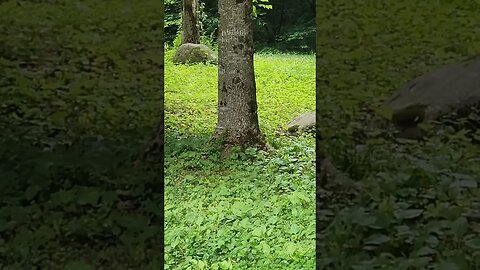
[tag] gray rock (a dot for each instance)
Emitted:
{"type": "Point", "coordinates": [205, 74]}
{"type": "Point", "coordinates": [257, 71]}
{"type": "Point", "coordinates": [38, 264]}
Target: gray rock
{"type": "Point", "coordinates": [454, 88]}
{"type": "Point", "coordinates": [304, 122]}
{"type": "Point", "coordinates": [193, 53]}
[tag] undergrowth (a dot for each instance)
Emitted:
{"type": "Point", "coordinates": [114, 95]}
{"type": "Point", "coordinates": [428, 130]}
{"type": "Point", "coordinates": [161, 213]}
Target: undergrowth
{"type": "Point", "coordinates": [420, 205]}
{"type": "Point", "coordinates": [254, 210]}
{"type": "Point", "coordinates": [80, 96]}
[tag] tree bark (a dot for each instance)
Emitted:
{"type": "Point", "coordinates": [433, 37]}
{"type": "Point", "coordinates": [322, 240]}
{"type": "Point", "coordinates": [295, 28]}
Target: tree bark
{"type": "Point", "coordinates": [190, 32]}
{"type": "Point", "coordinates": [237, 102]}
{"type": "Point", "coordinates": [154, 150]}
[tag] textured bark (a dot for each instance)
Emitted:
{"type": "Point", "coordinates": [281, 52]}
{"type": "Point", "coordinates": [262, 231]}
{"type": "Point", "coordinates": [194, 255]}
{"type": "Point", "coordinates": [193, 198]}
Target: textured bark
{"type": "Point", "coordinates": [190, 32]}
{"type": "Point", "coordinates": [154, 151]}
{"type": "Point", "coordinates": [237, 102]}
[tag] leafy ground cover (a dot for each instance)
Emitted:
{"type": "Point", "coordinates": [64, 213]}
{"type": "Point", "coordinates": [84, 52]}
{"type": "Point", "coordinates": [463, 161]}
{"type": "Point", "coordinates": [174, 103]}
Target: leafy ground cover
{"type": "Point", "coordinates": [80, 95]}
{"type": "Point", "coordinates": [420, 205]}
{"type": "Point", "coordinates": [254, 210]}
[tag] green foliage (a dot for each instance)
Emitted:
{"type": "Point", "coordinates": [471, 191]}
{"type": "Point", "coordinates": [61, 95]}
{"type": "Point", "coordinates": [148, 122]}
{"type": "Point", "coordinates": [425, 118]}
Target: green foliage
{"type": "Point", "coordinates": [419, 209]}
{"type": "Point", "coordinates": [261, 4]}
{"type": "Point", "coordinates": [178, 40]}
{"type": "Point", "coordinates": [286, 27]}
{"type": "Point", "coordinates": [80, 94]}
{"type": "Point", "coordinates": [254, 210]}
{"type": "Point", "coordinates": [173, 19]}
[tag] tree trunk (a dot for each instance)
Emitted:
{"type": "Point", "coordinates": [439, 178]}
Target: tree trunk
{"type": "Point", "coordinates": [190, 32]}
{"type": "Point", "coordinates": [154, 150]}
{"type": "Point", "coordinates": [237, 102]}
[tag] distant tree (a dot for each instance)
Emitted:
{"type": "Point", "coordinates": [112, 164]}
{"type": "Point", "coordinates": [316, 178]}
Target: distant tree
{"type": "Point", "coordinates": [154, 150]}
{"type": "Point", "coordinates": [190, 31]}
{"type": "Point", "coordinates": [237, 102]}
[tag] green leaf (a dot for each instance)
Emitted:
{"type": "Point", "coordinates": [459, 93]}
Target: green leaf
{"type": "Point", "coordinates": [425, 251]}
{"type": "Point", "coordinates": [254, 11]}
{"type": "Point", "coordinates": [32, 191]}
{"type": "Point", "coordinates": [259, 231]}
{"type": "Point", "coordinates": [290, 248]}
{"type": "Point", "coordinates": [360, 216]}
{"type": "Point", "coordinates": [226, 265]}
{"type": "Point", "coordinates": [382, 221]}
{"type": "Point", "coordinates": [58, 118]}
{"type": "Point", "coordinates": [266, 249]}
{"type": "Point", "coordinates": [466, 183]}
{"type": "Point", "coordinates": [133, 223]}
{"type": "Point", "coordinates": [460, 227]}
{"type": "Point", "coordinates": [88, 196]}
{"type": "Point", "coordinates": [408, 214]}
{"type": "Point", "coordinates": [109, 197]}
{"type": "Point", "coordinates": [239, 208]}
{"type": "Point", "coordinates": [446, 265]}
{"type": "Point", "coordinates": [473, 243]}
{"type": "Point", "coordinates": [376, 239]}
{"type": "Point", "coordinates": [294, 229]}
{"type": "Point", "coordinates": [79, 265]}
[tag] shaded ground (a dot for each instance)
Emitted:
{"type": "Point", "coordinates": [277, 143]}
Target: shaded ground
{"type": "Point", "coordinates": [419, 206]}
{"type": "Point", "coordinates": [79, 98]}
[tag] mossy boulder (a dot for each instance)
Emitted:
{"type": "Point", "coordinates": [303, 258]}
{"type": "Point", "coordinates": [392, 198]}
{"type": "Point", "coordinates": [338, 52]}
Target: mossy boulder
{"type": "Point", "coordinates": [190, 53]}
{"type": "Point", "coordinates": [450, 90]}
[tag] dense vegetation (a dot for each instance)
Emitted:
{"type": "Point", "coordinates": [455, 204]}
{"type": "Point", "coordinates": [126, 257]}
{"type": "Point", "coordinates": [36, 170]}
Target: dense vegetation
{"type": "Point", "coordinates": [420, 205]}
{"type": "Point", "coordinates": [80, 95]}
{"type": "Point", "coordinates": [254, 210]}
{"type": "Point", "coordinates": [287, 26]}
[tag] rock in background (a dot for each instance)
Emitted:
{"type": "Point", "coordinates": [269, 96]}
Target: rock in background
{"type": "Point", "coordinates": [302, 123]}
{"type": "Point", "coordinates": [451, 90]}
{"type": "Point", "coordinates": [190, 53]}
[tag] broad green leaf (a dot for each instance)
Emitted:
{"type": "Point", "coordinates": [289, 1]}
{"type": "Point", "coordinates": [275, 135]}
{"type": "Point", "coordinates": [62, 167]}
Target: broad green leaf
{"type": "Point", "coordinates": [376, 239]}
{"type": "Point", "coordinates": [466, 183]}
{"type": "Point", "coordinates": [460, 227]}
{"type": "Point", "coordinates": [408, 213]}
{"type": "Point", "coordinates": [88, 196]}
{"type": "Point", "coordinates": [473, 243]}
{"type": "Point", "coordinates": [446, 265]}
{"type": "Point", "coordinates": [32, 191]}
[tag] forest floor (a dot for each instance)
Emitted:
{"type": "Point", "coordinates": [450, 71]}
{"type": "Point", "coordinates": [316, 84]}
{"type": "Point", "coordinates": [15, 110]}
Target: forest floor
{"type": "Point", "coordinates": [251, 211]}
{"type": "Point", "coordinates": [419, 207]}
{"type": "Point", "coordinates": [80, 97]}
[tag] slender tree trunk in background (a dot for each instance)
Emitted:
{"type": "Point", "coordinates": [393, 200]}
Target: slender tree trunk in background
{"type": "Point", "coordinates": [154, 150]}
{"type": "Point", "coordinates": [190, 32]}
{"type": "Point", "coordinates": [237, 102]}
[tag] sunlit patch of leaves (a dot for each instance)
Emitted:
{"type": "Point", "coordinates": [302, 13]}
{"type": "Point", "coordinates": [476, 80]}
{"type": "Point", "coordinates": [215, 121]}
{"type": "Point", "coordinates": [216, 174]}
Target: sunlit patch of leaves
{"type": "Point", "coordinates": [254, 210]}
